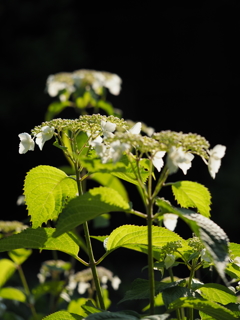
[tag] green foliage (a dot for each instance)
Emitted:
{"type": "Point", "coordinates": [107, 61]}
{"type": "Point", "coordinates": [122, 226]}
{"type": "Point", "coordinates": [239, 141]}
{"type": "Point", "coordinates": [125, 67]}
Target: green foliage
{"type": "Point", "coordinates": [41, 238]}
{"type": "Point", "coordinates": [63, 315]}
{"type": "Point", "coordinates": [47, 191]}
{"type": "Point", "coordinates": [7, 268]}
{"type": "Point", "coordinates": [88, 206]}
{"type": "Point", "coordinates": [192, 195]}
{"type": "Point", "coordinates": [12, 294]}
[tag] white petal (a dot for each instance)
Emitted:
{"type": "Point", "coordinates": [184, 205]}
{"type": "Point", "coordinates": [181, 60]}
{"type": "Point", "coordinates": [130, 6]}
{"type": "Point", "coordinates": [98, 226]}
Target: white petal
{"type": "Point", "coordinates": [218, 151]}
{"type": "Point", "coordinates": [26, 143]}
{"type": "Point", "coordinates": [136, 129]}
{"type": "Point", "coordinates": [82, 287]}
{"type": "Point", "coordinates": [108, 126]}
{"type": "Point", "coordinates": [170, 221]}
{"type": "Point", "coordinates": [43, 136]}
{"type": "Point", "coordinates": [157, 160]}
{"type": "Point", "coordinates": [115, 282]}
{"type": "Point", "coordinates": [213, 166]}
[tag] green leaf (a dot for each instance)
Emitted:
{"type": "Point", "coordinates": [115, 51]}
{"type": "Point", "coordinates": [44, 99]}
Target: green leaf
{"type": "Point", "coordinates": [130, 236]}
{"type": "Point", "coordinates": [63, 315]}
{"type": "Point", "coordinates": [106, 106]}
{"type": "Point", "coordinates": [140, 289]}
{"type": "Point", "coordinates": [217, 293]}
{"type": "Point", "coordinates": [41, 238]}
{"type": "Point", "coordinates": [192, 195]}
{"type": "Point", "coordinates": [12, 294]}
{"type": "Point", "coordinates": [19, 255]}
{"type": "Point", "coordinates": [122, 169]}
{"type": "Point", "coordinates": [76, 306]}
{"type": "Point", "coordinates": [48, 287]}
{"type": "Point", "coordinates": [212, 236]}
{"type": "Point", "coordinates": [108, 180]}
{"type": "Point", "coordinates": [55, 108]}
{"type": "Point", "coordinates": [7, 268]}
{"type": "Point", "coordinates": [211, 308]}
{"type": "Point", "coordinates": [88, 206]}
{"type": "Point", "coordinates": [47, 190]}
{"type": "Point", "coordinates": [106, 315]}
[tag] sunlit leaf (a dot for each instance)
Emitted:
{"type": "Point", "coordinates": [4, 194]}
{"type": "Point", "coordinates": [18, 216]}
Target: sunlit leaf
{"type": "Point", "coordinates": [88, 206]}
{"type": "Point", "coordinates": [12, 294]}
{"type": "Point", "coordinates": [192, 195]}
{"type": "Point", "coordinates": [7, 268]}
{"type": "Point", "coordinates": [47, 190]}
{"type": "Point", "coordinates": [41, 238]}
{"type": "Point", "coordinates": [218, 293]}
{"type": "Point", "coordinates": [19, 255]}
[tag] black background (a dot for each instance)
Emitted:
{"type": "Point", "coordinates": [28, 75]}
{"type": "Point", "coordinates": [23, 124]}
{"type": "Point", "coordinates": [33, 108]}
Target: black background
{"type": "Point", "coordinates": [179, 63]}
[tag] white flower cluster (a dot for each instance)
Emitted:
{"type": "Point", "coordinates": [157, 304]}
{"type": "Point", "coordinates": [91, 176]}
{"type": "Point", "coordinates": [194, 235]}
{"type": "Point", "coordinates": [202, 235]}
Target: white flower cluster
{"type": "Point", "coordinates": [27, 142]}
{"type": "Point", "coordinates": [87, 78]}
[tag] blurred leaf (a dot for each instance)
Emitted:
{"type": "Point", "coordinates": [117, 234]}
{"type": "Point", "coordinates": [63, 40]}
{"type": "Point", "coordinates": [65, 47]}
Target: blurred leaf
{"type": "Point", "coordinates": [105, 106]}
{"type": "Point", "coordinates": [86, 100]}
{"type": "Point", "coordinates": [88, 206]}
{"type": "Point", "coordinates": [47, 190]}
{"type": "Point", "coordinates": [75, 306]}
{"type": "Point", "coordinates": [19, 255]}
{"type": "Point", "coordinates": [12, 294]}
{"type": "Point", "coordinates": [192, 195]}
{"type": "Point", "coordinates": [7, 268]}
{"type": "Point", "coordinates": [52, 287]}
{"type": "Point", "coordinates": [55, 108]}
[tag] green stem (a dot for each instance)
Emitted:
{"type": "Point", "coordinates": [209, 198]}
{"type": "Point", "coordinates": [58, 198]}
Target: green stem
{"type": "Point", "coordinates": [26, 288]}
{"type": "Point", "coordinates": [192, 272]}
{"type": "Point", "coordinates": [178, 312]}
{"type": "Point", "coordinates": [150, 258]}
{"type": "Point", "coordinates": [92, 263]}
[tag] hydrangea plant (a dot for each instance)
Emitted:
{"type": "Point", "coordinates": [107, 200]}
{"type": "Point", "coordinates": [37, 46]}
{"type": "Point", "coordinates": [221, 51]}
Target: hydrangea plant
{"type": "Point", "coordinates": [114, 153]}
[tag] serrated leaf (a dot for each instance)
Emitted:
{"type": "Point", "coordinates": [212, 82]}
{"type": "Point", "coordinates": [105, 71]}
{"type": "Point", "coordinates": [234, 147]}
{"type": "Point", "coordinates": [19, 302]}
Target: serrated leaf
{"type": "Point", "coordinates": [213, 237]}
{"type": "Point", "coordinates": [41, 238]}
{"type": "Point", "coordinates": [217, 293]}
{"type": "Point", "coordinates": [77, 306]}
{"type": "Point", "coordinates": [133, 235]}
{"type": "Point", "coordinates": [7, 268]}
{"type": "Point", "coordinates": [211, 308]}
{"type": "Point", "coordinates": [63, 315]}
{"type": "Point", "coordinates": [47, 190]}
{"type": "Point", "coordinates": [88, 206]}
{"type": "Point", "coordinates": [12, 294]}
{"type": "Point", "coordinates": [108, 180]}
{"type": "Point", "coordinates": [192, 195]}
{"type": "Point", "coordinates": [171, 294]}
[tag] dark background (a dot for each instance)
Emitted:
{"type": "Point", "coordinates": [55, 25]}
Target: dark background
{"type": "Point", "coordinates": [179, 63]}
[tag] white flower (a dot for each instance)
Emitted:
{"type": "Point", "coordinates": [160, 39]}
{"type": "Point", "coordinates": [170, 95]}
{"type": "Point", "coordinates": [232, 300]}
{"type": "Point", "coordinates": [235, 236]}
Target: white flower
{"type": "Point", "coordinates": [82, 287]}
{"type": "Point", "coordinates": [177, 158]}
{"type": "Point", "coordinates": [20, 200]}
{"type": "Point", "coordinates": [115, 282]}
{"type": "Point", "coordinates": [157, 160]}
{"type": "Point", "coordinates": [113, 84]}
{"type": "Point", "coordinates": [170, 221]}
{"type": "Point", "coordinates": [117, 149]}
{"type": "Point", "coordinates": [107, 128]}
{"type": "Point", "coordinates": [45, 134]}
{"type": "Point", "coordinates": [214, 162]}
{"type": "Point", "coordinates": [26, 143]}
{"type": "Point", "coordinates": [136, 129]}
{"type": "Point", "coordinates": [169, 260]}
{"type": "Point", "coordinates": [53, 86]}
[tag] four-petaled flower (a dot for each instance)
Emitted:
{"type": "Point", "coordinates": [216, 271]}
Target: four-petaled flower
{"type": "Point", "coordinates": [177, 158]}
{"type": "Point", "coordinates": [45, 134]}
{"type": "Point", "coordinates": [108, 128]}
{"type": "Point", "coordinates": [26, 143]}
{"type": "Point", "coordinates": [214, 162]}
